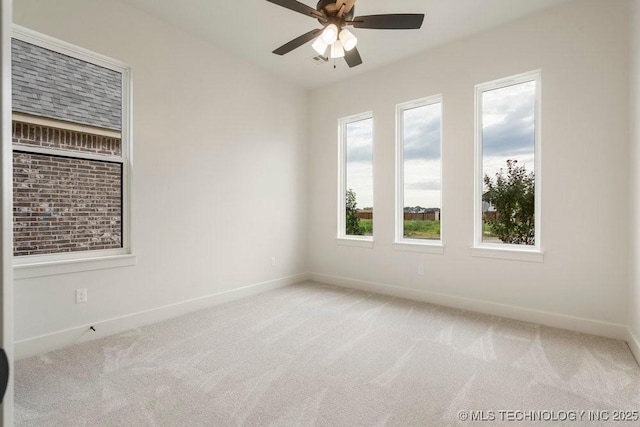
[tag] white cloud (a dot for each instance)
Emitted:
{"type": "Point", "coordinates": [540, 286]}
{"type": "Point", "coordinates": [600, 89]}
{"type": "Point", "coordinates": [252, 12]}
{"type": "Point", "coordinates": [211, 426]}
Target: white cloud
{"type": "Point", "coordinates": [508, 127]}
{"type": "Point", "coordinates": [422, 132]}
{"type": "Point", "coordinates": [422, 156]}
{"type": "Point", "coordinates": [359, 147]}
{"type": "Point", "coordinates": [422, 183]}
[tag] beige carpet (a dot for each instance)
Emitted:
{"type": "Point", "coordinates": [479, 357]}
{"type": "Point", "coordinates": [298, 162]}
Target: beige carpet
{"type": "Point", "coordinates": [319, 355]}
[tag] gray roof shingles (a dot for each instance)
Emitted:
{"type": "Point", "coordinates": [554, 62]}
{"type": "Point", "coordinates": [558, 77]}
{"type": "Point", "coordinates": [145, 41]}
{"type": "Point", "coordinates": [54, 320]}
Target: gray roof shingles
{"type": "Point", "coordinates": [53, 85]}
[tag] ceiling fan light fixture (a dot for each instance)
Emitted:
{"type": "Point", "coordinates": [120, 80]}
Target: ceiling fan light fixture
{"type": "Point", "coordinates": [320, 46]}
{"type": "Point", "coordinates": [337, 50]}
{"type": "Point", "coordinates": [330, 34]}
{"type": "Point", "coordinates": [349, 41]}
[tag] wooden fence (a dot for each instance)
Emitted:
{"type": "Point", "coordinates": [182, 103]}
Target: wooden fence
{"type": "Point", "coordinates": [408, 216]}
{"type": "Point", "coordinates": [489, 215]}
{"type": "Point", "coordinates": [365, 214]}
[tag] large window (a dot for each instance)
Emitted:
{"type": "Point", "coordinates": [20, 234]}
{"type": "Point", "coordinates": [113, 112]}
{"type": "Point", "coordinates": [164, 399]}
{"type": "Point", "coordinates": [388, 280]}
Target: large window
{"type": "Point", "coordinates": [419, 171]}
{"type": "Point", "coordinates": [355, 217]}
{"type": "Point", "coordinates": [507, 169]}
{"type": "Point", "coordinates": [71, 152]}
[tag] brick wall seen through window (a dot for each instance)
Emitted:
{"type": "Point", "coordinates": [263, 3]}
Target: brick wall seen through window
{"type": "Point", "coordinates": [64, 204]}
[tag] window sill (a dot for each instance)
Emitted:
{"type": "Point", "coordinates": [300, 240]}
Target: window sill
{"type": "Point", "coordinates": [527, 255]}
{"type": "Point", "coordinates": [52, 268]}
{"type": "Point", "coordinates": [360, 242]}
{"type": "Point", "coordinates": [427, 248]}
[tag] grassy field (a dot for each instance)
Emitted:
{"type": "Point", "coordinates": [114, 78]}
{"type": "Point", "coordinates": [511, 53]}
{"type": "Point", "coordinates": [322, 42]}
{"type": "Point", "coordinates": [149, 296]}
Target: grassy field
{"type": "Point", "coordinates": [367, 226]}
{"type": "Point", "coordinates": [487, 232]}
{"type": "Point", "coordinates": [413, 229]}
{"type": "Point", "coordinates": [416, 229]}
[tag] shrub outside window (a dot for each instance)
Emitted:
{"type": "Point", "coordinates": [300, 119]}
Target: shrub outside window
{"type": "Point", "coordinates": [508, 163]}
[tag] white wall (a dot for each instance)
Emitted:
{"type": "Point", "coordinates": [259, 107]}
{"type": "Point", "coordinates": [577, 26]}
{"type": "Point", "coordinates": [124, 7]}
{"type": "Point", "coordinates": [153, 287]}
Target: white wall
{"type": "Point", "coordinates": [202, 169]}
{"type": "Point", "coordinates": [634, 289]}
{"type": "Point", "coordinates": [581, 49]}
{"type": "Point", "coordinates": [220, 181]}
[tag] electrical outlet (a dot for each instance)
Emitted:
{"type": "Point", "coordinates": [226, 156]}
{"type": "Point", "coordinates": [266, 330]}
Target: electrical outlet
{"type": "Point", "coordinates": [421, 270]}
{"type": "Point", "coordinates": [273, 261]}
{"type": "Point", "coordinates": [81, 296]}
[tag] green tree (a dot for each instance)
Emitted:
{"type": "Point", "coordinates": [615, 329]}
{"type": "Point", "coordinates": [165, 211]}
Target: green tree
{"type": "Point", "coordinates": [353, 220]}
{"type": "Point", "coordinates": [513, 196]}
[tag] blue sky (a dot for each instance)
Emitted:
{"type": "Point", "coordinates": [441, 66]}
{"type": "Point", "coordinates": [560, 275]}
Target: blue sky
{"type": "Point", "coordinates": [421, 154]}
{"type": "Point", "coordinates": [508, 133]}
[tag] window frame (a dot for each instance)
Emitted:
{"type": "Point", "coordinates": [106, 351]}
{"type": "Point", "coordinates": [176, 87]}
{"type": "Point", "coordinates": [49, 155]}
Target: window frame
{"type": "Point", "coordinates": [61, 263]}
{"type": "Point", "coordinates": [407, 244]}
{"type": "Point", "coordinates": [342, 238]}
{"type": "Point", "coordinates": [533, 253]}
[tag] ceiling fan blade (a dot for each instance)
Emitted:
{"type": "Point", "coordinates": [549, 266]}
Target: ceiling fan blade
{"type": "Point", "coordinates": [296, 6]}
{"type": "Point", "coordinates": [399, 21]}
{"type": "Point", "coordinates": [297, 42]}
{"type": "Point", "coordinates": [353, 58]}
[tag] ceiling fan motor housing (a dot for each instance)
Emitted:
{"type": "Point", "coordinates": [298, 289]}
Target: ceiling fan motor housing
{"type": "Point", "coordinates": [322, 8]}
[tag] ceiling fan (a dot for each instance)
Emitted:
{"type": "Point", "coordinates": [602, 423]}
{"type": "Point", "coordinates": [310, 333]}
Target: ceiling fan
{"type": "Point", "coordinates": [335, 16]}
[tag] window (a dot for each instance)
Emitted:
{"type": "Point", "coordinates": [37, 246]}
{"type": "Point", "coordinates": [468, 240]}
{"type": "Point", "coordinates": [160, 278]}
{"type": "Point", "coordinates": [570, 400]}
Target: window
{"type": "Point", "coordinates": [71, 152]}
{"type": "Point", "coordinates": [508, 163]}
{"type": "Point", "coordinates": [419, 172]}
{"type": "Point", "coordinates": [355, 217]}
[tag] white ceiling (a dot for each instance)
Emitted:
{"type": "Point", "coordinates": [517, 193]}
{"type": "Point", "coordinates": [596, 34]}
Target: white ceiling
{"type": "Point", "coordinates": [252, 29]}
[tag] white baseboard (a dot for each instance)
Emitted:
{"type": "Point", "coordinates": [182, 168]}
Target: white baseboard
{"type": "Point", "coordinates": [44, 343]}
{"type": "Point", "coordinates": [634, 344]}
{"type": "Point", "coordinates": [33, 346]}
{"type": "Point", "coordinates": [562, 321]}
